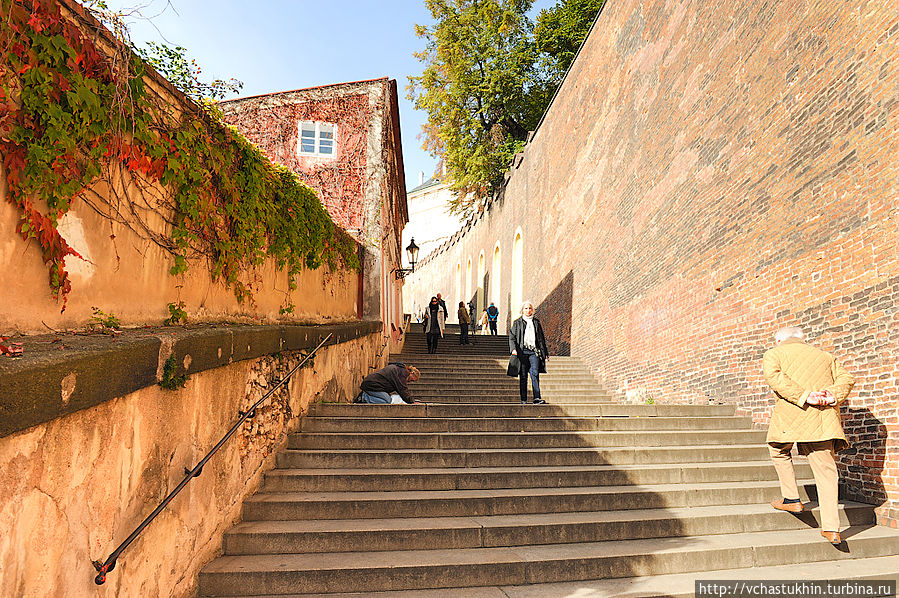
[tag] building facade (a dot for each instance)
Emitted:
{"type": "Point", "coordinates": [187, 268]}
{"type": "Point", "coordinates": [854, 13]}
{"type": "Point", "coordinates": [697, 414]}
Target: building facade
{"type": "Point", "coordinates": [343, 140]}
{"type": "Point", "coordinates": [430, 224]}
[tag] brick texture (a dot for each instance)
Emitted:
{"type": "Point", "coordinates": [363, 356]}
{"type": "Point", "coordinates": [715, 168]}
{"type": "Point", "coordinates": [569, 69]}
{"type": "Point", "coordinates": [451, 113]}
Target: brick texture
{"type": "Point", "coordinates": [709, 172]}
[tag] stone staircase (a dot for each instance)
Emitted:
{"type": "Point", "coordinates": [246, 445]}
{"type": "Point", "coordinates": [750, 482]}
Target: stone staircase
{"type": "Point", "coordinates": [473, 495]}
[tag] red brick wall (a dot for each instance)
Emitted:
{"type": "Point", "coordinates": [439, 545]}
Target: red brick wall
{"type": "Point", "coordinates": [272, 126]}
{"type": "Point", "coordinates": [709, 172]}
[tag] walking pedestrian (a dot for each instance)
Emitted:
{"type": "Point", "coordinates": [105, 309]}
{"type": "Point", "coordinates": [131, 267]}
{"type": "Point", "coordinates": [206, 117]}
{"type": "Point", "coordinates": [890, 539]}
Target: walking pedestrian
{"type": "Point", "coordinates": [443, 305]}
{"type": "Point", "coordinates": [492, 317]}
{"type": "Point", "coordinates": [472, 319]}
{"type": "Point", "coordinates": [809, 385]}
{"type": "Point", "coordinates": [434, 324]}
{"type": "Point", "coordinates": [482, 322]}
{"type": "Point", "coordinates": [464, 322]}
{"type": "Point", "coordinates": [528, 344]}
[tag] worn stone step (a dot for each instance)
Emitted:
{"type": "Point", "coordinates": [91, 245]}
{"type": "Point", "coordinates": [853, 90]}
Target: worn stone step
{"type": "Point", "coordinates": [509, 501]}
{"type": "Point", "coordinates": [349, 535]}
{"type": "Point", "coordinates": [532, 441]}
{"type": "Point", "coordinates": [613, 472]}
{"type": "Point", "coordinates": [431, 388]}
{"type": "Point", "coordinates": [517, 410]}
{"type": "Point", "coordinates": [406, 458]}
{"type": "Point", "coordinates": [418, 569]}
{"type": "Point", "coordinates": [675, 585]}
{"type": "Point", "coordinates": [644, 442]}
{"type": "Point", "coordinates": [524, 424]}
{"type": "Point", "coordinates": [507, 396]}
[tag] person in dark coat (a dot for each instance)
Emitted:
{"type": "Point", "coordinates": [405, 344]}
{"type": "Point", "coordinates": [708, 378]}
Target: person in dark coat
{"type": "Point", "coordinates": [434, 323]}
{"type": "Point", "coordinates": [464, 322]}
{"type": "Point", "coordinates": [526, 341]}
{"type": "Point", "coordinates": [492, 317]}
{"type": "Point", "coordinates": [443, 305]}
{"type": "Point", "coordinates": [388, 383]}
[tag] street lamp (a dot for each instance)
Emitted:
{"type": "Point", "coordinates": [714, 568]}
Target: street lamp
{"type": "Point", "coordinates": [412, 254]}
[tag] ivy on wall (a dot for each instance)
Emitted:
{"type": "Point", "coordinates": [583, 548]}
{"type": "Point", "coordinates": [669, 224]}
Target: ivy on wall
{"type": "Point", "coordinates": [73, 112]}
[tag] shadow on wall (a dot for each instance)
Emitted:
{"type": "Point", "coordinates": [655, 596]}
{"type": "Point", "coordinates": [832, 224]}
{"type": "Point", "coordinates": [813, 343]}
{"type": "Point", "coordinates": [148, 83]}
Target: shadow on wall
{"type": "Point", "coordinates": [862, 464]}
{"type": "Point", "coordinates": [555, 315]}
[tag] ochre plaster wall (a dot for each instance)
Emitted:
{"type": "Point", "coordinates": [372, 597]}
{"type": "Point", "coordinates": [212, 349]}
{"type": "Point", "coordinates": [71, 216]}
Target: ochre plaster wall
{"type": "Point", "coordinates": [709, 172]}
{"type": "Point", "coordinates": [128, 276]}
{"type": "Point", "coordinates": [71, 490]}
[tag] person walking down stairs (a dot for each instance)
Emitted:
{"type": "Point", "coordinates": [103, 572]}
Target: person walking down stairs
{"type": "Point", "coordinates": [527, 343]}
{"type": "Point", "coordinates": [434, 323]}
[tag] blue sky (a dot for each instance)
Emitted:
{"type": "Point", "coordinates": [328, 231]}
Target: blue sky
{"type": "Point", "coordinates": [291, 44]}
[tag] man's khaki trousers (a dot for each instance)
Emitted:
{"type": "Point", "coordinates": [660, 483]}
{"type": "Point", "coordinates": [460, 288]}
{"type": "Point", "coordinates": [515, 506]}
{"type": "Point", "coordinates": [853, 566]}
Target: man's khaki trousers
{"type": "Point", "coordinates": [824, 468]}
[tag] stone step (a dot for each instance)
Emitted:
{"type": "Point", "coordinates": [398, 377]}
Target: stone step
{"type": "Point", "coordinates": [489, 386]}
{"type": "Point", "coordinates": [419, 569]}
{"type": "Point", "coordinates": [350, 535]}
{"type": "Point", "coordinates": [520, 424]}
{"type": "Point", "coordinates": [408, 458]}
{"type": "Point", "coordinates": [628, 445]}
{"type": "Point", "coordinates": [461, 360]}
{"type": "Point", "coordinates": [381, 504]}
{"type": "Point", "coordinates": [613, 471]}
{"type": "Point", "coordinates": [675, 585]}
{"type": "Point", "coordinates": [518, 410]}
{"type": "Point", "coordinates": [492, 364]}
{"type": "Point", "coordinates": [513, 397]}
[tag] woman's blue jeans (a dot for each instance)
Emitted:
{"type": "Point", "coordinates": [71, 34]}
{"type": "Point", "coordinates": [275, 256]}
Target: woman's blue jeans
{"type": "Point", "coordinates": [530, 363]}
{"type": "Point", "coordinates": [376, 396]}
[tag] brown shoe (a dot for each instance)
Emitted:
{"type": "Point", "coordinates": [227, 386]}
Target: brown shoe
{"type": "Point", "coordinates": [790, 507]}
{"type": "Point", "coordinates": [832, 537]}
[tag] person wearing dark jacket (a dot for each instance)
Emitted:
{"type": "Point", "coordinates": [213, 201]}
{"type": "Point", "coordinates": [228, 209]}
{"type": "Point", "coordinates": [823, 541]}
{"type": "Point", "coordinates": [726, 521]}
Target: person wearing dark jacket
{"type": "Point", "coordinates": [434, 323]}
{"type": "Point", "coordinates": [526, 341]}
{"type": "Point", "coordinates": [443, 305]}
{"type": "Point", "coordinates": [464, 322]}
{"type": "Point", "coordinates": [387, 383]}
{"type": "Point", "coordinates": [492, 317]}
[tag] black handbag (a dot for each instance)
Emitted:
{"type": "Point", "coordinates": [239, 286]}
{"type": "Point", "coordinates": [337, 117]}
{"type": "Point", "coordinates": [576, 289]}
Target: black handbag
{"type": "Point", "coordinates": [514, 368]}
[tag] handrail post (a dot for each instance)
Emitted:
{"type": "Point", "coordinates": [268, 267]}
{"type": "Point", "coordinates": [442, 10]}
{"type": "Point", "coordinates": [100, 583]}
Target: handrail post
{"type": "Point", "coordinates": [110, 563]}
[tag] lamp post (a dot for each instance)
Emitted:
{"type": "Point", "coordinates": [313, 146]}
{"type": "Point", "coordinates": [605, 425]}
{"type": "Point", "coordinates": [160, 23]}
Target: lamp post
{"type": "Point", "coordinates": [412, 254]}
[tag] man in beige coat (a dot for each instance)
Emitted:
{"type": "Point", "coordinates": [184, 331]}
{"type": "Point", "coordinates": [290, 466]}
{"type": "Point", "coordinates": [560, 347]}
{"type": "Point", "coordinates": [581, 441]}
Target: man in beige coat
{"type": "Point", "coordinates": [810, 385]}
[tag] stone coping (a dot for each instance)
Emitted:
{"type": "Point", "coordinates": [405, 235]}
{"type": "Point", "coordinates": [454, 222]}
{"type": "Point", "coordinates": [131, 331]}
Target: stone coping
{"type": "Point", "coordinates": [62, 373]}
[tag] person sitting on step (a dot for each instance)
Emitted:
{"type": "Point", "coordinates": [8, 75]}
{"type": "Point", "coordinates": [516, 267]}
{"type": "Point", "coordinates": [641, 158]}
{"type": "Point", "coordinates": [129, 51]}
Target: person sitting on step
{"type": "Point", "coordinates": [389, 385]}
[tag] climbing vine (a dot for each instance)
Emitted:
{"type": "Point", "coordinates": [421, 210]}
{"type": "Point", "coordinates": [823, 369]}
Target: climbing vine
{"type": "Point", "coordinates": [77, 108]}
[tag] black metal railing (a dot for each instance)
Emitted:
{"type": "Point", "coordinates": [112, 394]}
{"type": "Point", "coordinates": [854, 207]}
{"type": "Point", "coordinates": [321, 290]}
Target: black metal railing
{"type": "Point", "coordinates": [109, 564]}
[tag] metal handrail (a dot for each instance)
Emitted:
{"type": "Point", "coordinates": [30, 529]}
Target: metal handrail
{"type": "Point", "coordinates": [109, 564]}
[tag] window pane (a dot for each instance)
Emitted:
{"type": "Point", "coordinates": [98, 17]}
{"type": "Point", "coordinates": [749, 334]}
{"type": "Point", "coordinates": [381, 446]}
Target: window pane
{"type": "Point", "coordinates": [307, 146]}
{"type": "Point", "coordinates": [325, 147]}
{"type": "Point", "coordinates": [326, 134]}
{"type": "Point", "coordinates": [306, 133]}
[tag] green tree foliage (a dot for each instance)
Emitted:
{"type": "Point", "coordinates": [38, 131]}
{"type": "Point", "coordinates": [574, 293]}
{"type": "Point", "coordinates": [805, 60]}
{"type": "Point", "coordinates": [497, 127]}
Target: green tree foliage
{"type": "Point", "coordinates": [481, 88]}
{"type": "Point", "coordinates": [489, 74]}
{"type": "Point", "coordinates": [172, 63]}
{"type": "Point", "coordinates": [561, 30]}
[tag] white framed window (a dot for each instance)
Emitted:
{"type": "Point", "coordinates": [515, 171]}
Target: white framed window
{"type": "Point", "coordinates": [316, 139]}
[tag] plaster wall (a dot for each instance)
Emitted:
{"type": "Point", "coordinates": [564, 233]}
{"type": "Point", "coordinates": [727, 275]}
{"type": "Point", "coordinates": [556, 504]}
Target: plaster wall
{"type": "Point", "coordinates": [709, 172]}
{"type": "Point", "coordinates": [126, 274]}
{"type": "Point", "coordinates": [72, 489]}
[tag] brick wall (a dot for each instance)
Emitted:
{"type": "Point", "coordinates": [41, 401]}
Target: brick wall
{"type": "Point", "coordinates": [709, 172]}
{"type": "Point", "coordinates": [271, 122]}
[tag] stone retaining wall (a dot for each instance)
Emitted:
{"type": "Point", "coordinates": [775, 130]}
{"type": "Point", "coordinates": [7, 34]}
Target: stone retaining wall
{"type": "Point", "coordinates": [73, 487]}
